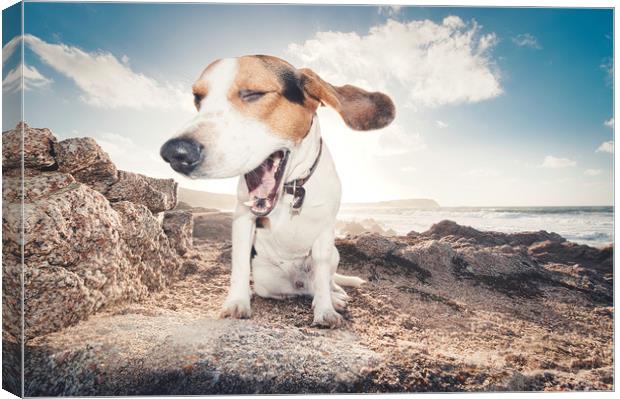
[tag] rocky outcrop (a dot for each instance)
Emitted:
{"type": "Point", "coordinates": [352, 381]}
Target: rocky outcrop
{"type": "Point", "coordinates": [344, 228]}
{"type": "Point", "coordinates": [450, 309]}
{"type": "Point", "coordinates": [187, 355]}
{"type": "Point", "coordinates": [38, 148]}
{"type": "Point", "coordinates": [156, 194]}
{"type": "Point", "coordinates": [453, 232]}
{"type": "Point", "coordinates": [87, 162]}
{"type": "Point", "coordinates": [90, 238]}
{"type": "Point", "coordinates": [212, 226]}
{"type": "Point", "coordinates": [179, 226]}
{"type": "Point", "coordinates": [581, 265]}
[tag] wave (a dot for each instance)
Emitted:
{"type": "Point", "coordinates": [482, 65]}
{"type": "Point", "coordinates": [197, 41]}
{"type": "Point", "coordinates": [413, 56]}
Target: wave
{"type": "Point", "coordinates": [596, 236]}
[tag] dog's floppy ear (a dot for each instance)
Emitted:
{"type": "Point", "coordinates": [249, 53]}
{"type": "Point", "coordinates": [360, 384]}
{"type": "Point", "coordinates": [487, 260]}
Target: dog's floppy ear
{"type": "Point", "coordinates": [361, 110]}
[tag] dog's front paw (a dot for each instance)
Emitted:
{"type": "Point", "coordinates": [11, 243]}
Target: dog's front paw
{"type": "Point", "coordinates": [236, 308]}
{"type": "Point", "coordinates": [339, 300]}
{"type": "Point", "coordinates": [327, 318]}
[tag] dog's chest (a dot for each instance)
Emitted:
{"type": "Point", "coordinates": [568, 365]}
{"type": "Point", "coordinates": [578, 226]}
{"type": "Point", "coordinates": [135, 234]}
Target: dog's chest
{"type": "Point", "coordinates": [284, 235]}
{"type": "Point", "coordinates": [287, 235]}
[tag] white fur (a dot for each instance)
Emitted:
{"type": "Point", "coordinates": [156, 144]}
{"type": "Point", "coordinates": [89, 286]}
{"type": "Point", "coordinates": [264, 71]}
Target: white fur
{"type": "Point", "coordinates": [236, 143]}
{"type": "Point", "coordinates": [296, 255]}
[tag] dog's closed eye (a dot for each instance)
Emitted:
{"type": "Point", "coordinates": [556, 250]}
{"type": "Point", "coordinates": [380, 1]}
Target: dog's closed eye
{"type": "Point", "coordinates": [197, 99]}
{"type": "Point", "coordinates": [251, 95]}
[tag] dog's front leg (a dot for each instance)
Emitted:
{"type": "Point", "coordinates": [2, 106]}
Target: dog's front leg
{"type": "Point", "coordinates": [237, 303]}
{"type": "Point", "coordinates": [323, 268]}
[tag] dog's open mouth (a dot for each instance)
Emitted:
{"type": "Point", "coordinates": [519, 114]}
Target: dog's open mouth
{"type": "Point", "coordinates": [264, 183]}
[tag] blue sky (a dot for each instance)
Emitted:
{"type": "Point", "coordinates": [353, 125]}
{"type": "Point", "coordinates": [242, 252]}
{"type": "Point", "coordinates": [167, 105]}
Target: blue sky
{"type": "Point", "coordinates": [496, 106]}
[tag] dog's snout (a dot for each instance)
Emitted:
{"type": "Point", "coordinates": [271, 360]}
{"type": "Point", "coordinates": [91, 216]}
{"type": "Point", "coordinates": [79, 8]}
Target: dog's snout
{"type": "Point", "coordinates": [183, 154]}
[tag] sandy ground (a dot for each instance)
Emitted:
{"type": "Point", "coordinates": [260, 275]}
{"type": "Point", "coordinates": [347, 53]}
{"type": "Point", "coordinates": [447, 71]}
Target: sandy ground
{"type": "Point", "coordinates": [426, 320]}
{"type": "Point", "coordinates": [484, 341]}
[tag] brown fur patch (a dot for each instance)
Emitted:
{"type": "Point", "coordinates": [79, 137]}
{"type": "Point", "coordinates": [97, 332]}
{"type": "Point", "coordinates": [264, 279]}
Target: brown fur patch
{"type": "Point", "coordinates": [361, 110]}
{"type": "Point", "coordinates": [285, 118]}
{"type": "Point", "coordinates": [263, 223]}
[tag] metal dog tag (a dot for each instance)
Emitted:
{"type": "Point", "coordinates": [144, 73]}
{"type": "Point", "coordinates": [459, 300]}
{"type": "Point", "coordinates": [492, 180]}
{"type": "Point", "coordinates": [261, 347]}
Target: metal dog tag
{"type": "Point", "coordinates": [299, 195]}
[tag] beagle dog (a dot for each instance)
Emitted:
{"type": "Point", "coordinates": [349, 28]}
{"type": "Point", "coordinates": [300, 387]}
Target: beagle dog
{"type": "Point", "coordinates": [257, 119]}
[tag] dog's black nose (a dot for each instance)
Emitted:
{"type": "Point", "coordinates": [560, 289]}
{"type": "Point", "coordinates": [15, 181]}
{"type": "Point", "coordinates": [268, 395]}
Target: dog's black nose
{"type": "Point", "coordinates": [183, 154]}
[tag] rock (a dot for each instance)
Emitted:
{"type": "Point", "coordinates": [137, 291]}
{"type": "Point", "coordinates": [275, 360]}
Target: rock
{"type": "Point", "coordinates": [157, 195]}
{"type": "Point", "coordinates": [179, 226]}
{"type": "Point", "coordinates": [510, 261]}
{"type": "Point", "coordinates": [434, 256]}
{"type": "Point", "coordinates": [366, 225]}
{"type": "Point", "coordinates": [35, 186]}
{"type": "Point", "coordinates": [78, 153]}
{"type": "Point", "coordinates": [184, 206]}
{"type": "Point", "coordinates": [12, 365]}
{"type": "Point", "coordinates": [149, 246]}
{"type": "Point", "coordinates": [87, 162]}
{"type": "Point", "coordinates": [176, 355]}
{"type": "Point", "coordinates": [213, 226]}
{"type": "Point", "coordinates": [570, 253]}
{"type": "Point", "coordinates": [81, 252]}
{"type": "Point", "coordinates": [38, 147]}
{"type": "Point", "coordinates": [373, 245]}
{"type": "Point", "coordinates": [11, 299]}
{"type": "Point", "coordinates": [454, 232]}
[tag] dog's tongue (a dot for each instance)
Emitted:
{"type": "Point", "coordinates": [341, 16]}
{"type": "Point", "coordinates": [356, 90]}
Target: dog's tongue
{"type": "Point", "coordinates": [262, 182]}
{"type": "Point", "coordinates": [267, 183]}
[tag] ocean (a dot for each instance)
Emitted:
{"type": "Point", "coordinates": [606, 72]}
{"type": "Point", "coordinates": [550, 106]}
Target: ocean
{"type": "Point", "coordinates": [592, 226]}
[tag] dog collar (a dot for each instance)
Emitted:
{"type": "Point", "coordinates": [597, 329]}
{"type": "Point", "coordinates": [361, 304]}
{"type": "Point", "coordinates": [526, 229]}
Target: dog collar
{"type": "Point", "coordinates": [296, 187]}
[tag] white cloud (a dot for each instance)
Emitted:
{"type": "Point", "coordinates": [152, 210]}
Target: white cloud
{"type": "Point", "coordinates": [107, 82]}
{"type": "Point", "coordinates": [554, 162]}
{"type": "Point", "coordinates": [409, 169]}
{"type": "Point", "coordinates": [592, 172]}
{"type": "Point", "coordinates": [482, 173]}
{"type": "Point", "coordinates": [424, 62]}
{"type": "Point", "coordinates": [526, 40]}
{"type": "Point", "coordinates": [607, 146]}
{"type": "Point", "coordinates": [9, 49]}
{"type": "Point", "coordinates": [442, 124]}
{"type": "Point", "coordinates": [389, 10]}
{"type": "Point", "coordinates": [33, 79]}
{"type": "Point", "coordinates": [453, 22]}
{"type": "Point", "coordinates": [609, 123]}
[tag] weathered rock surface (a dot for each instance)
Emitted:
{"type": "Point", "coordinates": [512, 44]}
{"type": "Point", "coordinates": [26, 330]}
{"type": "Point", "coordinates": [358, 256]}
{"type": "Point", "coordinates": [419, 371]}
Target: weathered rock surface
{"type": "Point", "coordinates": [189, 355]}
{"type": "Point", "coordinates": [212, 226]}
{"type": "Point", "coordinates": [344, 228]}
{"type": "Point", "coordinates": [81, 251]}
{"type": "Point", "coordinates": [179, 226]}
{"type": "Point", "coordinates": [156, 194]}
{"type": "Point", "coordinates": [37, 151]}
{"type": "Point", "coordinates": [87, 162]}
{"type": "Point", "coordinates": [451, 309]}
